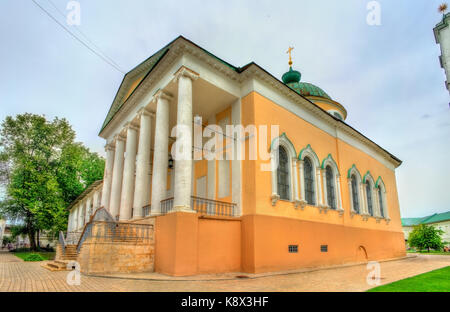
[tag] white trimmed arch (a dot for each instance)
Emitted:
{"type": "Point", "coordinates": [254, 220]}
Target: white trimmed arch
{"type": "Point", "coordinates": [369, 194]}
{"type": "Point", "coordinates": [381, 198]}
{"type": "Point", "coordinates": [309, 153]}
{"type": "Point", "coordinates": [357, 192]}
{"type": "Point", "coordinates": [287, 145]}
{"type": "Point", "coordinates": [336, 187]}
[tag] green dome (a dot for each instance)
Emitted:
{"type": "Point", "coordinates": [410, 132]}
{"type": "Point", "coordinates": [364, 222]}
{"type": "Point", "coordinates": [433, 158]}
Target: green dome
{"type": "Point", "coordinates": [292, 79]}
{"type": "Point", "coordinates": [307, 89]}
{"type": "Point", "coordinates": [291, 76]}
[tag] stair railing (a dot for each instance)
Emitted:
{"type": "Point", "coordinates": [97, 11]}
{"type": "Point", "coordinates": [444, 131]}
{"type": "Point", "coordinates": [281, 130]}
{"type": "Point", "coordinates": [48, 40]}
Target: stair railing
{"type": "Point", "coordinates": [62, 242]}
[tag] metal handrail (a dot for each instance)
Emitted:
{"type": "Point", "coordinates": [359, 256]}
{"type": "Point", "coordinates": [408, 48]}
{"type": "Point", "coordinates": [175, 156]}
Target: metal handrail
{"type": "Point", "coordinates": [204, 206]}
{"type": "Point", "coordinates": [112, 231]}
{"type": "Point", "coordinates": [147, 210]}
{"type": "Point", "coordinates": [213, 207]}
{"type": "Point", "coordinates": [62, 241]}
{"type": "Point", "coordinates": [166, 205]}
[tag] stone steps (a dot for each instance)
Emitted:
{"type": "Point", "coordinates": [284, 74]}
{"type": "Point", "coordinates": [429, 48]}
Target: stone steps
{"type": "Point", "coordinates": [56, 265]}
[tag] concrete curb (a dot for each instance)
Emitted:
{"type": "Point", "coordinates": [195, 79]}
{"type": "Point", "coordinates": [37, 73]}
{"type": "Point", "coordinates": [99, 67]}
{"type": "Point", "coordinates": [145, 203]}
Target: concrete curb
{"type": "Point", "coordinates": [235, 274]}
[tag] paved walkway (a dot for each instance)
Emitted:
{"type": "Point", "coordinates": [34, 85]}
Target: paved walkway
{"type": "Point", "coordinates": [16, 275]}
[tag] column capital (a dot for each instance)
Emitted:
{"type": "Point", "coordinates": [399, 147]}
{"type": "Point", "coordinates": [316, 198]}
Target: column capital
{"type": "Point", "coordinates": [109, 147]}
{"type": "Point", "coordinates": [119, 137]}
{"type": "Point", "coordinates": [186, 72]}
{"type": "Point", "coordinates": [130, 125]}
{"type": "Point", "coordinates": [145, 111]}
{"type": "Point", "coordinates": [161, 94]}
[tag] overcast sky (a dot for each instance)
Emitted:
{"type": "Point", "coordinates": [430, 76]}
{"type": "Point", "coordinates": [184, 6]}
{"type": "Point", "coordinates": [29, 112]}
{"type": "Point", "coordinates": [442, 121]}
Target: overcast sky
{"type": "Point", "coordinates": [388, 76]}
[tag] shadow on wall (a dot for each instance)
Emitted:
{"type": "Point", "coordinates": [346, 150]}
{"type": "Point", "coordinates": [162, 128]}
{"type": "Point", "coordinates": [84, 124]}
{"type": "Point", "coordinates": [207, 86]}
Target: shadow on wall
{"type": "Point", "coordinates": [361, 254]}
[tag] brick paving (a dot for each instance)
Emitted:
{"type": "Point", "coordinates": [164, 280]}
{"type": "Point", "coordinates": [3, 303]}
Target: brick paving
{"type": "Point", "coordinates": [17, 275]}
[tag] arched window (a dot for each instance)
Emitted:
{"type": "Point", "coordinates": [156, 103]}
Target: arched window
{"type": "Point", "coordinates": [382, 204]}
{"type": "Point", "coordinates": [309, 182]}
{"type": "Point", "coordinates": [369, 197]}
{"type": "Point", "coordinates": [380, 198]}
{"type": "Point", "coordinates": [355, 196]}
{"type": "Point", "coordinates": [283, 174]}
{"type": "Point", "coordinates": [331, 194]}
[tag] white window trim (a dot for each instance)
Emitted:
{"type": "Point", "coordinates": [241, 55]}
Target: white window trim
{"type": "Point", "coordinates": [368, 177]}
{"type": "Point", "coordinates": [354, 171]}
{"type": "Point", "coordinates": [309, 152]}
{"type": "Point", "coordinates": [379, 185]}
{"type": "Point", "coordinates": [329, 161]}
{"type": "Point", "coordinates": [283, 141]}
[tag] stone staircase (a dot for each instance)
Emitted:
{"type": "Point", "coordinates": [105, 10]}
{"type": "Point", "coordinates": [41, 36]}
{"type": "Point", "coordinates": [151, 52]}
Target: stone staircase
{"type": "Point", "coordinates": [60, 263]}
{"type": "Point", "coordinates": [56, 265]}
{"type": "Point", "coordinates": [70, 254]}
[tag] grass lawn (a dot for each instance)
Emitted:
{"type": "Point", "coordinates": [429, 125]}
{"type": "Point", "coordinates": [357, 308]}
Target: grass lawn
{"type": "Point", "coordinates": [437, 280]}
{"type": "Point", "coordinates": [44, 254]}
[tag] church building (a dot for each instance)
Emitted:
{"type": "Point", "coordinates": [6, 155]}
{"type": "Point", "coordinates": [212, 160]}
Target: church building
{"type": "Point", "coordinates": [330, 197]}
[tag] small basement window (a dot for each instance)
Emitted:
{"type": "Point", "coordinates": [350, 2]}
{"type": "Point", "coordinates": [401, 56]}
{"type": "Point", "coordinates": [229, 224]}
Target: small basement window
{"type": "Point", "coordinates": [324, 248]}
{"type": "Point", "coordinates": [293, 248]}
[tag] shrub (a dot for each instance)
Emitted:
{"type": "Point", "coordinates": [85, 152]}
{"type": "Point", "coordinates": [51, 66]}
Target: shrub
{"type": "Point", "coordinates": [33, 257]}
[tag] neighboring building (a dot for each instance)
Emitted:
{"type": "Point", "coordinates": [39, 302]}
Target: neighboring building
{"type": "Point", "coordinates": [331, 200]}
{"type": "Point", "coordinates": [442, 36]}
{"type": "Point", "coordinates": [439, 220]}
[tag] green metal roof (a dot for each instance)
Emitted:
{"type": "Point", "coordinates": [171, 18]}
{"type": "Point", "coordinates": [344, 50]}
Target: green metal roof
{"type": "Point", "coordinates": [148, 64]}
{"type": "Point", "coordinates": [308, 89]}
{"type": "Point", "coordinates": [437, 217]}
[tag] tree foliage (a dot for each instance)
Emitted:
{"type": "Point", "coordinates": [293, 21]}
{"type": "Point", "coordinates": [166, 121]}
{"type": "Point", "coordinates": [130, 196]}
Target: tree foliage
{"type": "Point", "coordinates": [426, 237]}
{"type": "Point", "coordinates": [43, 170]}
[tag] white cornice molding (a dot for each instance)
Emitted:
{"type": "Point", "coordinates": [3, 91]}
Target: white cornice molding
{"type": "Point", "coordinates": [182, 46]}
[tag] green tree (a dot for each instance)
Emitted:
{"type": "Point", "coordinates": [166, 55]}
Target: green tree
{"type": "Point", "coordinates": [426, 237]}
{"type": "Point", "coordinates": [43, 170]}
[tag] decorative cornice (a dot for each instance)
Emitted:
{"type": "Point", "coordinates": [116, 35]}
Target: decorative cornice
{"type": "Point", "coordinates": [161, 94]}
{"type": "Point", "coordinates": [119, 137]}
{"type": "Point", "coordinates": [181, 45]}
{"type": "Point", "coordinates": [183, 71]}
{"type": "Point", "coordinates": [145, 111]}
{"type": "Point", "coordinates": [109, 146]}
{"type": "Point", "coordinates": [132, 126]}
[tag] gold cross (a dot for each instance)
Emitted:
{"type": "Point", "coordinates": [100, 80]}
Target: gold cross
{"type": "Point", "coordinates": [289, 51]}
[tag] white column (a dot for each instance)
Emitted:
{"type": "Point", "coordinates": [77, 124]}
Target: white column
{"type": "Point", "coordinates": [81, 216]}
{"type": "Point", "coordinates": [107, 178]}
{"type": "Point", "coordinates": [319, 186]}
{"type": "Point", "coordinates": [350, 191]}
{"type": "Point", "coordinates": [161, 150]}
{"type": "Point", "coordinates": [70, 221]}
{"type": "Point", "coordinates": [302, 181]}
{"type": "Point", "coordinates": [88, 209]}
{"type": "Point", "coordinates": [362, 192]}
{"type": "Point", "coordinates": [126, 202]}
{"type": "Point", "coordinates": [75, 218]}
{"type": "Point", "coordinates": [376, 212]}
{"type": "Point", "coordinates": [183, 167]}
{"type": "Point", "coordinates": [295, 176]}
{"type": "Point", "coordinates": [95, 200]}
{"type": "Point", "coordinates": [325, 191]}
{"type": "Point", "coordinates": [142, 185]}
{"type": "Point", "coordinates": [273, 172]}
{"type": "Point", "coordinates": [116, 186]}
{"type": "Point", "coordinates": [338, 190]}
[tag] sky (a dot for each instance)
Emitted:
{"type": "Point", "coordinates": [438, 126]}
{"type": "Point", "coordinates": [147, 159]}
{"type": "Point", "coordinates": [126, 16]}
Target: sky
{"type": "Point", "coordinates": [387, 76]}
